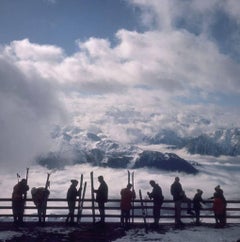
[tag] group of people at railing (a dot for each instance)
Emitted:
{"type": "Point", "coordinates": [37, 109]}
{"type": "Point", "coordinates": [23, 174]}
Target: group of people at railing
{"type": "Point", "coordinates": [179, 196]}
{"type": "Point", "coordinates": [40, 196]}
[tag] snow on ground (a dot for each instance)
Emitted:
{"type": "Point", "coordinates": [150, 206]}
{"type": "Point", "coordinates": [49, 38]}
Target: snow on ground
{"type": "Point", "coordinates": [13, 235]}
{"type": "Point", "coordinates": [192, 234]}
{"type": "Point", "coordinates": [199, 234]}
{"type": "Point", "coordinates": [7, 235]}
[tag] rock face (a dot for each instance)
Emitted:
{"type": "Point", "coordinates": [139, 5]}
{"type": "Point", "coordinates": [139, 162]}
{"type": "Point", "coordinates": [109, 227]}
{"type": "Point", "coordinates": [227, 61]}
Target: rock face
{"type": "Point", "coordinates": [118, 162]}
{"type": "Point", "coordinates": [150, 159]}
{"type": "Point", "coordinates": [164, 161]}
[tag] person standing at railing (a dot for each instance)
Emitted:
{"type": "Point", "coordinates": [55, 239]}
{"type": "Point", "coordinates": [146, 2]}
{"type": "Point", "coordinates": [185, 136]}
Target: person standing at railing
{"type": "Point", "coordinates": [219, 207]}
{"type": "Point", "coordinates": [197, 205]}
{"type": "Point", "coordinates": [179, 196]}
{"type": "Point", "coordinates": [101, 197]}
{"type": "Point", "coordinates": [72, 194]}
{"type": "Point", "coordinates": [158, 198]}
{"type": "Point", "coordinates": [18, 201]}
{"type": "Point", "coordinates": [127, 195]}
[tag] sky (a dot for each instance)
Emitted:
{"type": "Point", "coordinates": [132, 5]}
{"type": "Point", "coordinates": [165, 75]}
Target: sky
{"type": "Point", "coordinates": [115, 65]}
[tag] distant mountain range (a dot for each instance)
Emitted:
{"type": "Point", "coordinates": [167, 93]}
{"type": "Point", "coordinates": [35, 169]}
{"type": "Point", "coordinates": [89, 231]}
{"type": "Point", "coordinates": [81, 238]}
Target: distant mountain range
{"type": "Point", "coordinates": [221, 142]}
{"type": "Point", "coordinates": [77, 146]}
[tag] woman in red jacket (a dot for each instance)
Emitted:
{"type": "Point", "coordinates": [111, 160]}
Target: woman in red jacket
{"type": "Point", "coordinates": [219, 207]}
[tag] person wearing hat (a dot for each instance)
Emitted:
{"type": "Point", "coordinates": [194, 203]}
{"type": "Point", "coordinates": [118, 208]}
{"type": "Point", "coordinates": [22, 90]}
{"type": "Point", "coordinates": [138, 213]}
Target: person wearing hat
{"type": "Point", "coordinates": [157, 197]}
{"type": "Point", "coordinates": [127, 195]}
{"type": "Point", "coordinates": [197, 206]}
{"type": "Point", "coordinates": [72, 194]}
{"type": "Point", "coordinates": [18, 201]}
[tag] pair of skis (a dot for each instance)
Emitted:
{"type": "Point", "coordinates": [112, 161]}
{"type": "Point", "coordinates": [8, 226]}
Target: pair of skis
{"type": "Point", "coordinates": [45, 197]}
{"type": "Point", "coordinates": [81, 194]}
{"type": "Point", "coordinates": [25, 194]}
{"type": "Point", "coordinates": [92, 198]}
{"type": "Point", "coordinates": [131, 180]}
{"type": "Point", "coordinates": [144, 212]}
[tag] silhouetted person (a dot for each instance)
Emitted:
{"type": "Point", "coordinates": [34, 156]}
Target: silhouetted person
{"type": "Point", "coordinates": [157, 197]}
{"type": "Point", "coordinates": [179, 196]}
{"type": "Point", "coordinates": [72, 194]}
{"type": "Point", "coordinates": [197, 205]}
{"type": "Point", "coordinates": [127, 195]}
{"type": "Point", "coordinates": [101, 197]}
{"type": "Point", "coordinates": [40, 196]}
{"type": "Point", "coordinates": [18, 201]}
{"type": "Point", "coordinates": [219, 207]}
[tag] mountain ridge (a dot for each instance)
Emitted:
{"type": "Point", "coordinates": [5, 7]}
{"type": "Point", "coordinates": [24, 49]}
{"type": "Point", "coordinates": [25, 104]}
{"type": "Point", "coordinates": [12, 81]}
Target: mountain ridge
{"type": "Point", "coordinates": [77, 146]}
{"type": "Point", "coordinates": [220, 142]}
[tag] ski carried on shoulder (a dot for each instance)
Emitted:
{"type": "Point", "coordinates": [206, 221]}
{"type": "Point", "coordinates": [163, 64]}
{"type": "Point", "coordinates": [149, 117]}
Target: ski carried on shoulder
{"type": "Point", "coordinates": [92, 198]}
{"type": "Point", "coordinates": [131, 180]}
{"type": "Point", "coordinates": [25, 194]}
{"type": "Point", "coordinates": [129, 176]}
{"type": "Point", "coordinates": [133, 189]}
{"type": "Point", "coordinates": [82, 201]}
{"type": "Point", "coordinates": [47, 184]}
{"type": "Point", "coordinates": [79, 196]}
{"type": "Point", "coordinates": [144, 214]}
{"type": "Point", "coordinates": [82, 191]}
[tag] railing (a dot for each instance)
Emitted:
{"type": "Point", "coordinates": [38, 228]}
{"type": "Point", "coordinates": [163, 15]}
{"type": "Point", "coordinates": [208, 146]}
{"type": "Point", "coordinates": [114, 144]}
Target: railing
{"type": "Point", "coordinates": [57, 210]}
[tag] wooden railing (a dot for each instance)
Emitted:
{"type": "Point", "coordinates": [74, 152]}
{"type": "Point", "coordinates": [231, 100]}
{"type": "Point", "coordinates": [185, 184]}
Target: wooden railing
{"type": "Point", "coordinates": [57, 211]}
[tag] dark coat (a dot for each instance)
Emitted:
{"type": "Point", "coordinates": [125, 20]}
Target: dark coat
{"type": "Point", "coordinates": [197, 200]}
{"type": "Point", "coordinates": [102, 193]}
{"type": "Point", "coordinates": [19, 190]}
{"type": "Point", "coordinates": [72, 193]}
{"type": "Point", "coordinates": [177, 191]}
{"type": "Point", "coordinates": [40, 196]}
{"type": "Point", "coordinates": [156, 195]}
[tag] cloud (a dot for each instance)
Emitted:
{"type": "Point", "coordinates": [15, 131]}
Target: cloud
{"type": "Point", "coordinates": [218, 20]}
{"type": "Point", "coordinates": [24, 50]}
{"type": "Point", "coordinates": [28, 109]}
{"type": "Point", "coordinates": [173, 70]}
{"type": "Point", "coordinates": [212, 173]}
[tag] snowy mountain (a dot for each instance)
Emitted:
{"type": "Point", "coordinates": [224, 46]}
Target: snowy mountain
{"type": "Point", "coordinates": [164, 161]}
{"type": "Point", "coordinates": [76, 146]}
{"type": "Point", "coordinates": [221, 142]}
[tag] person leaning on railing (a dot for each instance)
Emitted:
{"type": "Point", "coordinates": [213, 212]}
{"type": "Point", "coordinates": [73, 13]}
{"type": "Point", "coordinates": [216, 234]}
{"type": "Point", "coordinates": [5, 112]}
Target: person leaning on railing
{"type": "Point", "coordinates": [18, 201]}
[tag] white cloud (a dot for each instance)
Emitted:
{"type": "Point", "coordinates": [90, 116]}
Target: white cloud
{"type": "Point", "coordinates": [173, 62]}
{"type": "Point", "coordinates": [28, 109]}
{"type": "Point", "coordinates": [25, 50]}
{"type": "Point", "coordinates": [142, 74]}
